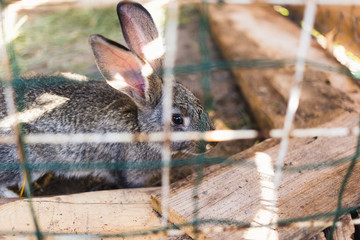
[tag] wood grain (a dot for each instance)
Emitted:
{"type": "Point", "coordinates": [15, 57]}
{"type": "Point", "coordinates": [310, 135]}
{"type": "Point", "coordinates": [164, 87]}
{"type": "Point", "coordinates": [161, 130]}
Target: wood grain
{"type": "Point", "coordinates": [257, 32]}
{"type": "Point", "coordinates": [311, 179]}
{"type": "Point", "coordinates": [103, 212]}
{"type": "Point", "coordinates": [310, 185]}
{"type": "Point", "coordinates": [339, 24]}
{"type": "Point", "coordinates": [345, 230]}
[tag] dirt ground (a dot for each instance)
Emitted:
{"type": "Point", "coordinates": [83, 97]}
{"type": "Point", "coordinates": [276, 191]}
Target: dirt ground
{"type": "Point", "coordinates": [58, 53]}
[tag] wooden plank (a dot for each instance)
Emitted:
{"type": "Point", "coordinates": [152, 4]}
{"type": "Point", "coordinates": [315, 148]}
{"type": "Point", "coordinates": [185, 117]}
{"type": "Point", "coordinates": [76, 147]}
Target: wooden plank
{"type": "Point", "coordinates": [319, 236]}
{"type": "Point", "coordinates": [7, 200]}
{"type": "Point", "coordinates": [357, 224]}
{"type": "Point", "coordinates": [310, 185]}
{"type": "Point", "coordinates": [339, 24]}
{"type": "Point", "coordinates": [248, 32]}
{"type": "Point", "coordinates": [345, 230]}
{"type": "Point", "coordinates": [102, 212]}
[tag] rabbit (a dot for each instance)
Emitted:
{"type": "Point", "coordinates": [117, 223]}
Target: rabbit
{"type": "Point", "coordinates": [128, 100]}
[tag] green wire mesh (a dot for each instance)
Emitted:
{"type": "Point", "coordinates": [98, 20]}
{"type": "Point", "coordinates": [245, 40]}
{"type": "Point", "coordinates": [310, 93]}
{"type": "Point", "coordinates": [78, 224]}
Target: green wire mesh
{"type": "Point", "coordinates": [205, 67]}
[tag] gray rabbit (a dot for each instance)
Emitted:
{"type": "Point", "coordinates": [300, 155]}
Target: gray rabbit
{"type": "Point", "coordinates": [130, 100]}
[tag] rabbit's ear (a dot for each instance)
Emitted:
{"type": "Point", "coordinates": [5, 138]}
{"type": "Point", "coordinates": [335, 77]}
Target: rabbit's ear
{"type": "Point", "coordinates": [126, 72]}
{"type": "Point", "coordinates": [140, 33]}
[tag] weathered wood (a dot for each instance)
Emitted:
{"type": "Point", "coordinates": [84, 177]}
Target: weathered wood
{"type": "Point", "coordinates": [7, 200]}
{"type": "Point", "coordinates": [339, 24]}
{"type": "Point", "coordinates": [345, 230]}
{"type": "Point", "coordinates": [236, 192]}
{"type": "Point", "coordinates": [310, 185]}
{"type": "Point", "coordinates": [319, 236]}
{"type": "Point", "coordinates": [257, 32]}
{"type": "Point", "coordinates": [103, 212]}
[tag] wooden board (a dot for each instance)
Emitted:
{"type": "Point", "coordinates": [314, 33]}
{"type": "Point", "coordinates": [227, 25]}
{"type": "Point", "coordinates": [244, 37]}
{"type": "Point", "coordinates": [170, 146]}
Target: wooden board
{"type": "Point", "coordinates": [345, 230]}
{"type": "Point", "coordinates": [339, 24]}
{"type": "Point", "coordinates": [102, 212]}
{"type": "Point", "coordinates": [238, 193]}
{"type": "Point", "coordinates": [235, 193]}
{"type": "Point", "coordinates": [250, 32]}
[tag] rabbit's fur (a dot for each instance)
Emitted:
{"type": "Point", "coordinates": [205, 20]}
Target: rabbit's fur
{"type": "Point", "coordinates": [130, 100]}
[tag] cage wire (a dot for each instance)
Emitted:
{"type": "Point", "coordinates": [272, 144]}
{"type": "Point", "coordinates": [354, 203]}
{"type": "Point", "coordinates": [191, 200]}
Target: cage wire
{"type": "Point", "coordinates": [205, 67]}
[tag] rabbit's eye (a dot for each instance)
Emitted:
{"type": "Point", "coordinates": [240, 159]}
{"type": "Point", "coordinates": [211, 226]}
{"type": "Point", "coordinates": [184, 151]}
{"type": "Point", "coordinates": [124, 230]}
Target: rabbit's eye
{"type": "Point", "coordinates": [177, 119]}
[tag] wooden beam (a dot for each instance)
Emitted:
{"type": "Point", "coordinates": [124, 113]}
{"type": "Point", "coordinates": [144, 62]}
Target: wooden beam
{"type": "Point", "coordinates": [313, 173]}
{"type": "Point", "coordinates": [102, 212]}
{"type": "Point", "coordinates": [253, 32]}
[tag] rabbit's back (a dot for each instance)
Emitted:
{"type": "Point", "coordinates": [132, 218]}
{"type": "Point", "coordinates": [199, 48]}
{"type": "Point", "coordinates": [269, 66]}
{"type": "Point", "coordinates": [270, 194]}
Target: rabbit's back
{"type": "Point", "coordinates": [60, 105]}
{"type": "Point", "coordinates": [57, 105]}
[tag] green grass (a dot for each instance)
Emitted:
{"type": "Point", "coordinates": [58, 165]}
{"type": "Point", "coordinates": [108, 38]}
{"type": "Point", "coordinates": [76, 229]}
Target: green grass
{"type": "Point", "coordinates": [58, 41]}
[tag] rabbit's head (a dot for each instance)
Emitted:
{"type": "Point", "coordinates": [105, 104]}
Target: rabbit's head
{"type": "Point", "coordinates": [136, 73]}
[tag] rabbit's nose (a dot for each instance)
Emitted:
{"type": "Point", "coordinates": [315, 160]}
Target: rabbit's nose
{"type": "Point", "coordinates": [210, 145]}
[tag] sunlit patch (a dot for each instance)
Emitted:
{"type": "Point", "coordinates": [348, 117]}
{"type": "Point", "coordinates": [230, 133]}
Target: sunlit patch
{"type": "Point", "coordinates": [155, 5]}
{"type": "Point", "coordinates": [225, 135]}
{"type": "Point", "coordinates": [265, 168]}
{"type": "Point", "coordinates": [283, 11]}
{"type": "Point", "coordinates": [266, 214]}
{"type": "Point", "coordinates": [74, 76]}
{"type": "Point", "coordinates": [321, 39]}
{"type": "Point", "coordinates": [12, 24]}
{"type": "Point", "coordinates": [345, 57]}
{"type": "Point", "coordinates": [48, 103]}
{"type": "Point", "coordinates": [154, 49]}
{"type": "Point", "coordinates": [146, 70]}
{"type": "Point", "coordinates": [118, 82]}
{"type": "Point", "coordinates": [348, 59]}
{"type": "Point", "coordinates": [294, 100]}
{"type": "Point", "coordinates": [158, 12]}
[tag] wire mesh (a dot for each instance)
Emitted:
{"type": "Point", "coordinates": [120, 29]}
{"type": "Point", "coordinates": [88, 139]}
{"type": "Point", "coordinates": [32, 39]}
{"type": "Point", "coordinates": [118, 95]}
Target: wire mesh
{"type": "Point", "coordinates": [205, 68]}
